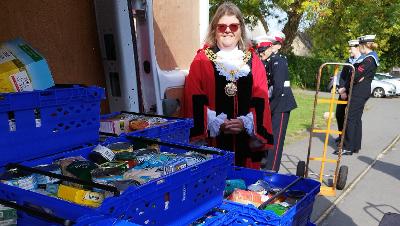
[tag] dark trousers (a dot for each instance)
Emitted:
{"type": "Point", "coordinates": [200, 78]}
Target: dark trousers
{"type": "Point", "coordinates": [279, 125]}
{"type": "Point", "coordinates": [340, 112]}
{"type": "Point", "coordinates": [353, 135]}
{"type": "Point", "coordinates": [244, 157]}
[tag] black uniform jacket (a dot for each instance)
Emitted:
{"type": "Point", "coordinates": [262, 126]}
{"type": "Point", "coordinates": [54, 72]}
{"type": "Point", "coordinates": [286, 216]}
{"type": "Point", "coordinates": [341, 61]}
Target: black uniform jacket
{"type": "Point", "coordinates": [345, 77]}
{"type": "Point", "coordinates": [365, 72]}
{"type": "Point", "coordinates": [282, 99]}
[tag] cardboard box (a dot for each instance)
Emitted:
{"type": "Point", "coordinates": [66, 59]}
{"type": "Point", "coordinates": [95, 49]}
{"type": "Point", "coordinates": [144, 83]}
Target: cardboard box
{"type": "Point", "coordinates": [114, 125]}
{"type": "Point", "coordinates": [22, 68]}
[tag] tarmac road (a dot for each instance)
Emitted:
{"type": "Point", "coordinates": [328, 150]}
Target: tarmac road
{"type": "Point", "coordinates": [374, 172]}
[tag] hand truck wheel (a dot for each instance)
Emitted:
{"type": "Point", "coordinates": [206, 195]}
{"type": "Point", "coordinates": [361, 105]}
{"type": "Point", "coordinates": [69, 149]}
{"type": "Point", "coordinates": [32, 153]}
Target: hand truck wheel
{"type": "Point", "coordinates": [301, 169]}
{"type": "Point", "coordinates": [342, 177]}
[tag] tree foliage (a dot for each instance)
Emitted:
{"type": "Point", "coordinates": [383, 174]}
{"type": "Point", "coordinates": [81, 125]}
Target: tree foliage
{"type": "Point", "coordinates": [296, 10]}
{"type": "Point", "coordinates": [349, 19]}
{"type": "Point", "coordinates": [331, 23]}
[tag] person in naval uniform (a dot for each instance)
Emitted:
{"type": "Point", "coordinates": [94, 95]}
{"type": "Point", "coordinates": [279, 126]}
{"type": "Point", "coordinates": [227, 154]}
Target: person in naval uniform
{"type": "Point", "coordinates": [364, 74]}
{"type": "Point", "coordinates": [344, 83]}
{"type": "Point", "coordinates": [281, 96]}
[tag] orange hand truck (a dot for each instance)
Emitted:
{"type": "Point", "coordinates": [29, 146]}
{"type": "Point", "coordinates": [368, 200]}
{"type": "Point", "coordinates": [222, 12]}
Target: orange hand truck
{"type": "Point", "coordinates": [340, 176]}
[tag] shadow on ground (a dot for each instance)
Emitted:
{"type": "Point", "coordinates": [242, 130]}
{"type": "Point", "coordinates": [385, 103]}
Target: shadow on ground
{"type": "Point", "coordinates": [384, 167]}
{"type": "Point", "coordinates": [321, 205]}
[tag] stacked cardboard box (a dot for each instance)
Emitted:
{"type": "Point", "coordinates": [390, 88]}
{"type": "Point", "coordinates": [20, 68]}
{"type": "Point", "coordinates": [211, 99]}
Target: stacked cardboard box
{"type": "Point", "coordinates": [22, 68]}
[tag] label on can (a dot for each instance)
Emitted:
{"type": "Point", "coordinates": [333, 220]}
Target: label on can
{"type": "Point", "coordinates": [12, 125]}
{"type": "Point", "coordinates": [93, 196]}
{"type": "Point", "coordinates": [105, 152]}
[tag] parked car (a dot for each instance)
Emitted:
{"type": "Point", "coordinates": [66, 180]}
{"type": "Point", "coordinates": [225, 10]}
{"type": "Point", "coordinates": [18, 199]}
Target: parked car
{"type": "Point", "coordinates": [391, 79]}
{"type": "Point", "coordinates": [379, 86]}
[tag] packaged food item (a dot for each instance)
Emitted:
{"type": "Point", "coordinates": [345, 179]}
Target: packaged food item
{"type": "Point", "coordinates": [109, 169]}
{"type": "Point", "coordinates": [143, 175]}
{"type": "Point", "coordinates": [63, 163]}
{"type": "Point", "coordinates": [22, 68]}
{"type": "Point", "coordinates": [231, 185]}
{"type": "Point", "coordinates": [154, 121]}
{"type": "Point", "coordinates": [52, 168]}
{"type": "Point", "coordinates": [154, 160]}
{"type": "Point", "coordinates": [293, 196]}
{"type": "Point", "coordinates": [80, 196]}
{"type": "Point", "coordinates": [107, 179]}
{"type": "Point", "coordinates": [120, 147]}
{"type": "Point", "coordinates": [125, 123]}
{"type": "Point", "coordinates": [194, 158]}
{"type": "Point", "coordinates": [260, 186]}
{"type": "Point", "coordinates": [127, 157]}
{"type": "Point", "coordinates": [19, 179]}
{"type": "Point", "coordinates": [148, 150]}
{"type": "Point", "coordinates": [52, 188]}
{"type": "Point", "coordinates": [174, 165]}
{"type": "Point", "coordinates": [81, 169]}
{"type": "Point", "coordinates": [138, 124]}
{"type": "Point", "coordinates": [277, 209]}
{"type": "Point", "coordinates": [117, 124]}
{"type": "Point", "coordinates": [101, 154]}
{"type": "Point", "coordinates": [247, 197]}
{"type": "Point", "coordinates": [8, 216]}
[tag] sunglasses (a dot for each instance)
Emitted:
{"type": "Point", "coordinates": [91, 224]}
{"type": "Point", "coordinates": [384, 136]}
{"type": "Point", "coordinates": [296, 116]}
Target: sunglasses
{"type": "Point", "coordinates": [222, 27]}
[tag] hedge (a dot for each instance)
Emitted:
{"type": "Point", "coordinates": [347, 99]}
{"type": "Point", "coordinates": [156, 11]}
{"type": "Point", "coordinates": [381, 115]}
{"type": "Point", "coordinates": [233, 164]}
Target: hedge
{"type": "Point", "coordinates": [303, 72]}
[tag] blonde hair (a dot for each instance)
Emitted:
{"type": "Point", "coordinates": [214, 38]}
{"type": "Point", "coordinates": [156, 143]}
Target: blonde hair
{"type": "Point", "coordinates": [230, 9]}
{"type": "Point", "coordinates": [369, 45]}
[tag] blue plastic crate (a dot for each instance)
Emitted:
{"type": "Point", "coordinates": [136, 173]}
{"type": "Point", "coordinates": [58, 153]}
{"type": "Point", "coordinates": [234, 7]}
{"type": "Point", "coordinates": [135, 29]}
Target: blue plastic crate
{"type": "Point", "coordinates": [239, 214]}
{"type": "Point", "coordinates": [94, 220]}
{"type": "Point", "coordinates": [102, 221]}
{"type": "Point", "coordinates": [175, 130]}
{"type": "Point", "coordinates": [40, 123]}
{"type": "Point", "coordinates": [175, 199]}
{"type": "Point", "coordinates": [298, 214]}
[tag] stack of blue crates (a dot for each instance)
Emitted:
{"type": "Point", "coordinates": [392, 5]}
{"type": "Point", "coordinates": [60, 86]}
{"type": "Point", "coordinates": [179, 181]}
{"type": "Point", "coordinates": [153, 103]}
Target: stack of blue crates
{"type": "Point", "coordinates": [38, 123]}
{"type": "Point", "coordinates": [43, 126]}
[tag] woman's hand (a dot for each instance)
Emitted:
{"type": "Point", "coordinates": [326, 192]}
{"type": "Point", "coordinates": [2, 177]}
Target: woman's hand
{"type": "Point", "coordinates": [343, 96]}
{"type": "Point", "coordinates": [342, 90]}
{"type": "Point", "coordinates": [342, 93]}
{"type": "Point", "coordinates": [233, 126]}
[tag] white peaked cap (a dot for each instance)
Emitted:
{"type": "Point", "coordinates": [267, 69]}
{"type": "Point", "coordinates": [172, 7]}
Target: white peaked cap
{"type": "Point", "coordinates": [279, 36]}
{"type": "Point", "coordinates": [353, 42]}
{"type": "Point", "coordinates": [367, 38]}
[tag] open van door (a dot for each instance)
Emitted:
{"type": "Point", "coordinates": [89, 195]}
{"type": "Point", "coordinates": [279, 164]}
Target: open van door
{"type": "Point", "coordinates": [125, 29]}
{"type": "Point", "coordinates": [134, 79]}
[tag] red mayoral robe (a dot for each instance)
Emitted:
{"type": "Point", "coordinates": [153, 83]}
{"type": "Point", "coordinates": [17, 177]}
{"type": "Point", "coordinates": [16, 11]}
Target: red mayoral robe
{"type": "Point", "coordinates": [205, 88]}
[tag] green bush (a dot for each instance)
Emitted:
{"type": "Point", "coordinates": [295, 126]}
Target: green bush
{"type": "Point", "coordinates": [303, 72]}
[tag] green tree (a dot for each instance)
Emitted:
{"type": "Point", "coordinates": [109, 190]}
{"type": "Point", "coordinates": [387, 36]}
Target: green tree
{"type": "Point", "coordinates": [349, 19]}
{"type": "Point", "coordinates": [296, 10]}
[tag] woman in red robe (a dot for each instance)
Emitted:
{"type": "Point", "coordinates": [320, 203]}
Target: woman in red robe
{"type": "Point", "coordinates": [226, 91]}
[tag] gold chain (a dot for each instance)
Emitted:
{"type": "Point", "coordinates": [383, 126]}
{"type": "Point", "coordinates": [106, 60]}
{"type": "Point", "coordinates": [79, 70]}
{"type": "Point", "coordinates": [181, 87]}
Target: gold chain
{"type": "Point", "coordinates": [213, 57]}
